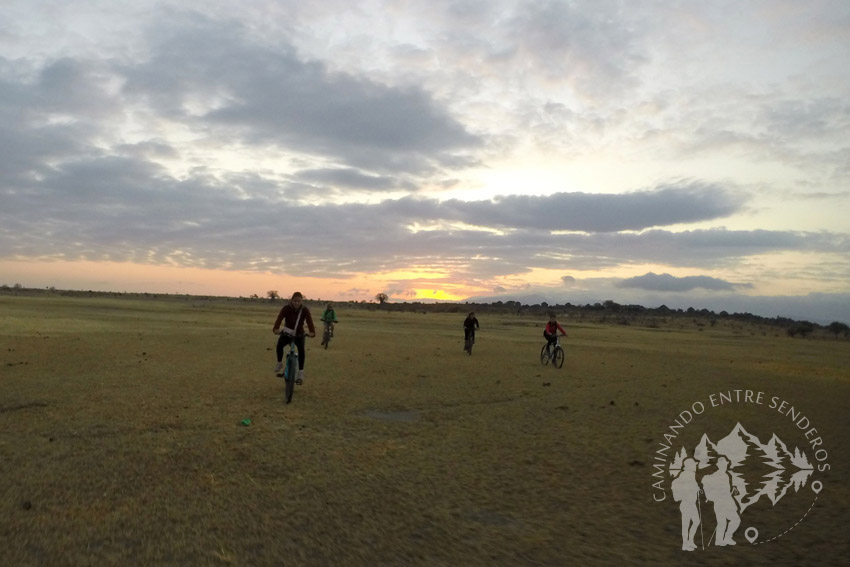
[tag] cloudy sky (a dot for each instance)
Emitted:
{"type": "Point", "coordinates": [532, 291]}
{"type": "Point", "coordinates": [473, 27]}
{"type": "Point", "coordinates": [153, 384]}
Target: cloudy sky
{"type": "Point", "coordinates": [686, 153]}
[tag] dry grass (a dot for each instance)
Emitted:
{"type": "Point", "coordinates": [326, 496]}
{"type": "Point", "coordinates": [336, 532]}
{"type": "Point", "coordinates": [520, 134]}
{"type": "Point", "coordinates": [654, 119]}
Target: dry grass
{"type": "Point", "coordinates": [121, 443]}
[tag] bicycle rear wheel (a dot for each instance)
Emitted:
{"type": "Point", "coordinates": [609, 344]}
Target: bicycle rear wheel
{"type": "Point", "coordinates": [289, 375]}
{"type": "Point", "coordinates": [558, 358]}
{"type": "Point", "coordinates": [544, 355]}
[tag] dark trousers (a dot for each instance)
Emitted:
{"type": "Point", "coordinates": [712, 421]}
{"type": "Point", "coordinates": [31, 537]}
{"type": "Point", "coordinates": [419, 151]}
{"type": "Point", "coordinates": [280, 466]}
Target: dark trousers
{"type": "Point", "coordinates": [467, 333]}
{"type": "Point", "coordinates": [299, 342]}
{"type": "Point", "coordinates": [550, 337]}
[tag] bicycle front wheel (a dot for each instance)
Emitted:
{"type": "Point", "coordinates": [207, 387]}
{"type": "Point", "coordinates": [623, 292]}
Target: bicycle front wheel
{"type": "Point", "coordinates": [558, 359]}
{"type": "Point", "coordinates": [544, 355]}
{"type": "Point", "coordinates": [291, 373]}
{"type": "Point", "coordinates": [326, 338]}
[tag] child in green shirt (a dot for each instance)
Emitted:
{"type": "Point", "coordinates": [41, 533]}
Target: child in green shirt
{"type": "Point", "coordinates": [329, 318]}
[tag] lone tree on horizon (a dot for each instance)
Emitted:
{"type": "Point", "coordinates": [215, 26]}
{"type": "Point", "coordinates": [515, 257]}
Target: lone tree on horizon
{"type": "Point", "coordinates": [382, 298]}
{"type": "Point", "coordinates": [273, 294]}
{"type": "Point", "coordinates": [837, 327]}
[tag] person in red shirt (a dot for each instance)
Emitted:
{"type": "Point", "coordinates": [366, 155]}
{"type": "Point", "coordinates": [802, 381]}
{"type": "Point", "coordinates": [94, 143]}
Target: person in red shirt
{"type": "Point", "coordinates": [293, 315]}
{"type": "Point", "coordinates": [551, 330]}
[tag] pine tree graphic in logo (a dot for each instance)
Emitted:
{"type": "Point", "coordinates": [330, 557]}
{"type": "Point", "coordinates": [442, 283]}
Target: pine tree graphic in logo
{"type": "Point", "coordinates": [729, 477]}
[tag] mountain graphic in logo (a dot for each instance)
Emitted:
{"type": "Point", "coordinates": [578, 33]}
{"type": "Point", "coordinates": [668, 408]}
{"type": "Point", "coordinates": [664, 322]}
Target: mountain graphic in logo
{"type": "Point", "coordinates": [757, 469]}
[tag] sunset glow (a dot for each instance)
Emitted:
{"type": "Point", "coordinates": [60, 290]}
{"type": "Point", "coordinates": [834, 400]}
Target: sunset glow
{"type": "Point", "coordinates": [639, 153]}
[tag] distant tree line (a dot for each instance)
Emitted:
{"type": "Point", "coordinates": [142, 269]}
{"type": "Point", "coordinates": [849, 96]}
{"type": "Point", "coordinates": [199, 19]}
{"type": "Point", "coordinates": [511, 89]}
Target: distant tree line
{"type": "Point", "coordinates": [612, 312]}
{"type": "Point", "coordinates": [607, 312]}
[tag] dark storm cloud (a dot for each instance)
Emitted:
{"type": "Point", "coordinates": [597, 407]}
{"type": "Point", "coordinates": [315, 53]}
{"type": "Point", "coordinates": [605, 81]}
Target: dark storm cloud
{"type": "Point", "coordinates": [667, 282]}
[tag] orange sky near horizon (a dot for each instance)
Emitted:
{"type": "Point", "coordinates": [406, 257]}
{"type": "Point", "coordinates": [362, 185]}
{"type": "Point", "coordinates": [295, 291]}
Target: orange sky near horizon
{"type": "Point", "coordinates": [417, 283]}
{"type": "Point", "coordinates": [149, 278]}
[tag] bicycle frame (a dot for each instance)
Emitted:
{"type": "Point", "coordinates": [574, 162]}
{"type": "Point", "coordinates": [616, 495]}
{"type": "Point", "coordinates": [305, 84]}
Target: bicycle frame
{"type": "Point", "coordinates": [290, 371]}
{"type": "Point", "coordinates": [292, 355]}
{"type": "Point", "coordinates": [549, 352]}
{"type": "Point", "coordinates": [327, 333]}
{"type": "Point", "coordinates": [468, 342]}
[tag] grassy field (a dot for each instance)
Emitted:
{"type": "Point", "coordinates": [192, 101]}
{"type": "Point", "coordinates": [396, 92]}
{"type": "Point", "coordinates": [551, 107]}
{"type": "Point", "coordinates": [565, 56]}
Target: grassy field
{"type": "Point", "coordinates": [121, 440]}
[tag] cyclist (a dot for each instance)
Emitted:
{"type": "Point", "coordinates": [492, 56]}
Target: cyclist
{"type": "Point", "coordinates": [469, 326]}
{"type": "Point", "coordinates": [293, 315]}
{"type": "Point", "coordinates": [551, 331]}
{"type": "Point", "coordinates": [329, 318]}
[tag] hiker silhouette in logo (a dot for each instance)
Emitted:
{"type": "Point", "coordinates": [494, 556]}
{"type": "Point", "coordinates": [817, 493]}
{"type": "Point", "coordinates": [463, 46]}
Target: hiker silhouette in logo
{"type": "Point", "coordinates": [718, 489]}
{"type": "Point", "coordinates": [686, 491]}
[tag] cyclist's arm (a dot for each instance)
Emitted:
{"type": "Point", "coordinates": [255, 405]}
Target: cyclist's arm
{"type": "Point", "coordinates": [562, 329]}
{"type": "Point", "coordinates": [276, 328]}
{"type": "Point", "coordinates": [310, 326]}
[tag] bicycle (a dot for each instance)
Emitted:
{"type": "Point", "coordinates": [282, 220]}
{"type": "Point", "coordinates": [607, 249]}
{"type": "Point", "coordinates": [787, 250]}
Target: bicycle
{"type": "Point", "coordinates": [470, 340]}
{"type": "Point", "coordinates": [290, 371]}
{"type": "Point", "coordinates": [326, 337]}
{"type": "Point", "coordinates": [555, 355]}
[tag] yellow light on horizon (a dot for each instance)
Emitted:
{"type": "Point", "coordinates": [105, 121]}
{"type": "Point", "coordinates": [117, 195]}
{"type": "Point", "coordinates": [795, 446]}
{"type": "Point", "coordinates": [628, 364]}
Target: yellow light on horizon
{"type": "Point", "coordinates": [436, 294]}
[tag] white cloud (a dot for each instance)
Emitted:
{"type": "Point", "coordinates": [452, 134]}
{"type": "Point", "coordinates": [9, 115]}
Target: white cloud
{"type": "Point", "coordinates": [210, 74]}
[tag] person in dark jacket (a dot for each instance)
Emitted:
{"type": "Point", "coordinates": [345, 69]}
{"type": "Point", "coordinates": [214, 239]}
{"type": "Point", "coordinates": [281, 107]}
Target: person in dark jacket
{"type": "Point", "coordinates": [469, 326]}
{"type": "Point", "coordinates": [293, 315]}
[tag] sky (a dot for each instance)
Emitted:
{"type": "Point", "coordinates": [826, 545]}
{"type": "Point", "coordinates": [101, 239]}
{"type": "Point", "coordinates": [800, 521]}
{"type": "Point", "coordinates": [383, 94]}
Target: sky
{"type": "Point", "coordinates": [682, 153]}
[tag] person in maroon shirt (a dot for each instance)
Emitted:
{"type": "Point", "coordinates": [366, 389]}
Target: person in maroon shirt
{"type": "Point", "coordinates": [293, 315]}
{"type": "Point", "coordinates": [551, 330]}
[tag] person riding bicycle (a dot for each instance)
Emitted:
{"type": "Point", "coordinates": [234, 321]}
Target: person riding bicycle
{"type": "Point", "coordinates": [329, 318]}
{"type": "Point", "coordinates": [551, 331]}
{"type": "Point", "coordinates": [293, 315]}
{"type": "Point", "coordinates": [469, 326]}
